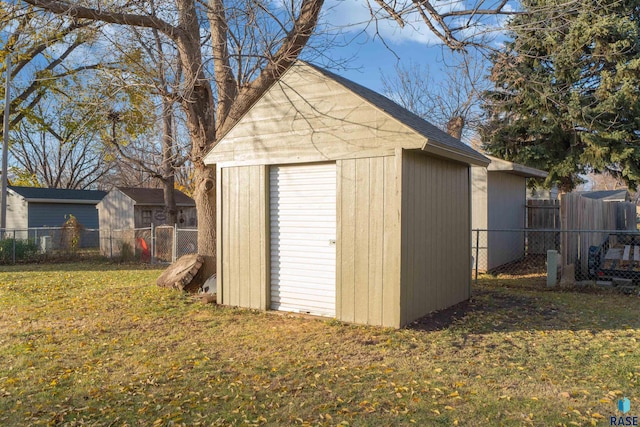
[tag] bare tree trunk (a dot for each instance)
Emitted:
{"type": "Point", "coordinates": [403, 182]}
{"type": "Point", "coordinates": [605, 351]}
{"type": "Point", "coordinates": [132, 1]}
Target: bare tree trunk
{"type": "Point", "coordinates": [455, 125]}
{"type": "Point", "coordinates": [197, 97]}
{"type": "Point", "coordinates": [170, 207]}
{"type": "Point", "coordinates": [168, 171]}
{"type": "Point", "coordinates": [205, 198]}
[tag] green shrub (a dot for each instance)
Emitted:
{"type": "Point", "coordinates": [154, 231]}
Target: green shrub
{"type": "Point", "coordinates": [71, 232]}
{"type": "Point", "coordinates": [126, 252]}
{"type": "Point", "coordinates": [24, 249]}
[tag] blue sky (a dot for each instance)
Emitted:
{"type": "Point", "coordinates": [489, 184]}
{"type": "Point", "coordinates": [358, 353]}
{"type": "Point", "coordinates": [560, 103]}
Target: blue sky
{"type": "Point", "coordinates": [371, 56]}
{"type": "Point", "coordinates": [373, 59]}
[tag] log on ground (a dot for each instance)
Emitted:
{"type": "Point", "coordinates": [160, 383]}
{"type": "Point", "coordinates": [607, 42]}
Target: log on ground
{"type": "Point", "coordinates": [180, 274]}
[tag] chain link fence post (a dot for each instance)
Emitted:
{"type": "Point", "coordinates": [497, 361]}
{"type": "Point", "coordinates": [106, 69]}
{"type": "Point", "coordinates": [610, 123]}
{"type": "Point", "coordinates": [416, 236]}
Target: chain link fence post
{"type": "Point", "coordinates": [477, 251]}
{"type": "Point", "coordinates": [175, 243]}
{"type": "Point", "coordinates": [153, 243]}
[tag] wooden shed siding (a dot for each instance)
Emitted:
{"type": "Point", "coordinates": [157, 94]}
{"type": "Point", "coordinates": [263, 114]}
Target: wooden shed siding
{"type": "Point", "coordinates": [310, 118]}
{"type": "Point", "coordinates": [368, 242]}
{"type": "Point", "coordinates": [17, 213]}
{"type": "Point", "coordinates": [244, 248]}
{"type": "Point", "coordinates": [479, 212]}
{"type": "Point", "coordinates": [506, 211]}
{"type": "Point", "coordinates": [479, 197]}
{"type": "Point", "coordinates": [115, 212]}
{"type": "Point", "coordinates": [435, 254]}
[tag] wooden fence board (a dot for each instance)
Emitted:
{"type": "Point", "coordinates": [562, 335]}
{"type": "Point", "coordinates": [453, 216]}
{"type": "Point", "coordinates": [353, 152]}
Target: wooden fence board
{"type": "Point", "coordinates": [581, 213]}
{"type": "Point", "coordinates": [542, 215]}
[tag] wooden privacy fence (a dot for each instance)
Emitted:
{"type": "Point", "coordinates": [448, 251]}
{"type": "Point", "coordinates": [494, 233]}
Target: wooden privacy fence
{"type": "Point", "coordinates": [542, 215]}
{"type": "Point", "coordinates": [581, 213]}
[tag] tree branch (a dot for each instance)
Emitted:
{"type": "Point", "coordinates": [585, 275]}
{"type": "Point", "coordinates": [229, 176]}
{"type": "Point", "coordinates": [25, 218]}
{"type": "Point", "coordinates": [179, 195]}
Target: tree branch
{"type": "Point", "coordinates": [280, 62]}
{"type": "Point", "coordinates": [392, 12]}
{"type": "Point", "coordinates": [75, 11]}
{"type": "Point", "coordinates": [225, 80]}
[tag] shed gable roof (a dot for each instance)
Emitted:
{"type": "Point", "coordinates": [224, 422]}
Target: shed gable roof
{"type": "Point", "coordinates": [311, 114]}
{"type": "Point", "coordinates": [155, 196]}
{"type": "Point", "coordinates": [58, 195]}
{"type": "Point", "coordinates": [500, 165]}
{"type": "Point", "coordinates": [433, 134]}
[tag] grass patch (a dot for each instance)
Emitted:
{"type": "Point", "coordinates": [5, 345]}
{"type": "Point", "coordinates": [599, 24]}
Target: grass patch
{"type": "Point", "coordinates": [100, 344]}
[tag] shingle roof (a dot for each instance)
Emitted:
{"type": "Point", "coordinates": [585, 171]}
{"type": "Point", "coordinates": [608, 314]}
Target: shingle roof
{"type": "Point", "coordinates": [418, 124]}
{"type": "Point", "coordinates": [500, 165]}
{"type": "Point", "coordinates": [62, 195]}
{"type": "Point", "coordinates": [155, 196]}
{"type": "Point", "coordinates": [606, 194]}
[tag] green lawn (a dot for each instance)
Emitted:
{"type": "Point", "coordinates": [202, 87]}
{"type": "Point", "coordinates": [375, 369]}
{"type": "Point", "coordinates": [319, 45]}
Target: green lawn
{"type": "Point", "coordinates": [99, 344]}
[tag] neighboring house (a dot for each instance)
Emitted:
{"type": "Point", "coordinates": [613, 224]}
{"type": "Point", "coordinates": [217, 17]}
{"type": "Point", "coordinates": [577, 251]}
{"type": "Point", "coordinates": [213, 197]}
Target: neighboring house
{"type": "Point", "coordinates": [35, 208]}
{"type": "Point", "coordinates": [31, 207]}
{"type": "Point", "coordinates": [125, 209]}
{"type": "Point", "coordinates": [621, 195]}
{"type": "Point", "coordinates": [499, 198]}
{"type": "Point", "coordinates": [128, 208]}
{"type": "Point", "coordinates": [335, 201]}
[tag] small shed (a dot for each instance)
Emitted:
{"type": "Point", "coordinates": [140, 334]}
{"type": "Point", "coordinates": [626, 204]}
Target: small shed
{"type": "Point", "coordinates": [129, 208]}
{"type": "Point", "coordinates": [499, 198]}
{"type": "Point", "coordinates": [32, 207]}
{"type": "Point", "coordinates": [335, 201]}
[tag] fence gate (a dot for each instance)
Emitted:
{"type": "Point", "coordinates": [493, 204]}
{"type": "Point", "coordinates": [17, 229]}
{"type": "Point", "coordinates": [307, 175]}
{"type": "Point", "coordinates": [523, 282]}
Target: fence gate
{"type": "Point", "coordinates": [164, 243]}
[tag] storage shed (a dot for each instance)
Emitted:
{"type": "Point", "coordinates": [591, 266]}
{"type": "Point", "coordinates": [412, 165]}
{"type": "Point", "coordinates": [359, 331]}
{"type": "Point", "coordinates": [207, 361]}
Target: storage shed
{"type": "Point", "coordinates": [499, 194]}
{"type": "Point", "coordinates": [33, 207]}
{"type": "Point", "coordinates": [333, 200]}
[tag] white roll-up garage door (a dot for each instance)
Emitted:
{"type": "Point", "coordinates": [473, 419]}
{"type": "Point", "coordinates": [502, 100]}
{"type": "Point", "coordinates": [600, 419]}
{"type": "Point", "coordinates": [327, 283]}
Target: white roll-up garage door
{"type": "Point", "coordinates": [303, 233]}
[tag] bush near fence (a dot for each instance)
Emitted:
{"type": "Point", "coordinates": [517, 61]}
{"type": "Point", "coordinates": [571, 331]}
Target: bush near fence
{"type": "Point", "coordinates": [147, 245]}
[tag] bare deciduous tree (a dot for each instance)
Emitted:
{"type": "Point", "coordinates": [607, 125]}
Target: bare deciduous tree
{"type": "Point", "coordinates": [148, 61]}
{"type": "Point", "coordinates": [232, 52]}
{"type": "Point", "coordinates": [457, 25]}
{"type": "Point", "coordinates": [271, 49]}
{"type": "Point", "coordinates": [55, 152]}
{"type": "Point", "coordinates": [451, 103]}
{"type": "Point", "coordinates": [44, 43]}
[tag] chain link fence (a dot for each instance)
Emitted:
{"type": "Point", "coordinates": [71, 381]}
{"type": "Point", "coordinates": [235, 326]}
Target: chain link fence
{"type": "Point", "coordinates": [163, 244]}
{"type": "Point", "coordinates": [37, 244]}
{"type": "Point", "coordinates": [603, 258]}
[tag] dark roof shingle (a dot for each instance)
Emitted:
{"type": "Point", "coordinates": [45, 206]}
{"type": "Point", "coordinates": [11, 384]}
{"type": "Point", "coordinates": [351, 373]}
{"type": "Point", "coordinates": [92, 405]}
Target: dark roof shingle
{"type": "Point", "coordinates": [155, 196]}
{"type": "Point", "coordinates": [622, 194]}
{"type": "Point", "coordinates": [403, 115]}
{"type": "Point", "coordinates": [62, 194]}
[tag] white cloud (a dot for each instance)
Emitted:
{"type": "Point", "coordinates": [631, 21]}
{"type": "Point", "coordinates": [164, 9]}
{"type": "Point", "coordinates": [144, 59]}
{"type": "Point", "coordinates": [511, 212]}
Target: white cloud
{"type": "Point", "coordinates": [354, 16]}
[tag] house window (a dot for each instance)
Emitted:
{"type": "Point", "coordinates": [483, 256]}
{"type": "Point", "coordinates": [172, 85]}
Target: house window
{"type": "Point", "coordinates": [146, 218]}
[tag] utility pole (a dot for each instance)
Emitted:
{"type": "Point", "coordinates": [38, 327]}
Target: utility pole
{"type": "Point", "coordinates": [5, 146]}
